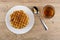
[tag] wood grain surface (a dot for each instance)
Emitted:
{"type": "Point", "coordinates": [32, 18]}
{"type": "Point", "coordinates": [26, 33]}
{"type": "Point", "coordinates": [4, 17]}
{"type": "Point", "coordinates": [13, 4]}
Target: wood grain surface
{"type": "Point", "coordinates": [37, 32]}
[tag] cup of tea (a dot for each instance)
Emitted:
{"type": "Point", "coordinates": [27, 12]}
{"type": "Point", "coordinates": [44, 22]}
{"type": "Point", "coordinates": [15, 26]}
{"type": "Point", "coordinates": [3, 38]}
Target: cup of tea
{"type": "Point", "coordinates": [48, 11]}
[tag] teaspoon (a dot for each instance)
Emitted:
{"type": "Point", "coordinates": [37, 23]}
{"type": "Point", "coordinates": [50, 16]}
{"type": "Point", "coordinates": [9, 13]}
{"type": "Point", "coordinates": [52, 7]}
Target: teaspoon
{"type": "Point", "coordinates": [36, 11]}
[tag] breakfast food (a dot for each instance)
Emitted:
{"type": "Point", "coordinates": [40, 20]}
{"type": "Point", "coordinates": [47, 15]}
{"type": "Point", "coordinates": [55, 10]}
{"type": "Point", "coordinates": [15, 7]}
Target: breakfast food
{"type": "Point", "coordinates": [49, 11]}
{"type": "Point", "coordinates": [19, 19]}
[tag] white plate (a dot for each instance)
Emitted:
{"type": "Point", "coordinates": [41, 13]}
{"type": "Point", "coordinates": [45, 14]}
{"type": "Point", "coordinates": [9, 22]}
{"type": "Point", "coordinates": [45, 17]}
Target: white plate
{"type": "Point", "coordinates": [29, 14]}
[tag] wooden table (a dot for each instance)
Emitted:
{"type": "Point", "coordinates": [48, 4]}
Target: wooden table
{"type": "Point", "coordinates": [37, 32]}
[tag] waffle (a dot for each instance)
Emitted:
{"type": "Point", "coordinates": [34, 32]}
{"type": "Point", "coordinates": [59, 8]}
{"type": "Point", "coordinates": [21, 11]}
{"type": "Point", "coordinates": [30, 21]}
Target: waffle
{"type": "Point", "coordinates": [19, 19]}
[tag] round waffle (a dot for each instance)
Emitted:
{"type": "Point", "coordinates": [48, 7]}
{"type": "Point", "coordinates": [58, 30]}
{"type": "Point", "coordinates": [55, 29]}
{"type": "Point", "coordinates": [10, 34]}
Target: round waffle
{"type": "Point", "coordinates": [18, 19]}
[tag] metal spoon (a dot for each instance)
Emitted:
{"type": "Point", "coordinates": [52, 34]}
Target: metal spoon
{"type": "Point", "coordinates": [36, 11]}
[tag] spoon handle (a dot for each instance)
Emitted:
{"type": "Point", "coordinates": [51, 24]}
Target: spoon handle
{"type": "Point", "coordinates": [44, 25]}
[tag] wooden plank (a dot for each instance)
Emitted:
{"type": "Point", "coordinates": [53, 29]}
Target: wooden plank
{"type": "Point", "coordinates": [37, 32]}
